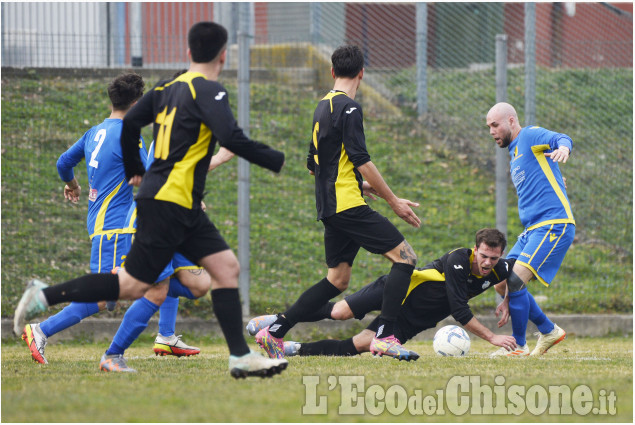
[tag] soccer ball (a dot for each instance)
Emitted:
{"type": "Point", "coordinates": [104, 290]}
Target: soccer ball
{"type": "Point", "coordinates": [451, 341]}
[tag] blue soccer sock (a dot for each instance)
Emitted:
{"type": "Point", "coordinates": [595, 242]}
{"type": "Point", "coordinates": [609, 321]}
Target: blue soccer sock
{"type": "Point", "coordinates": [71, 315]}
{"type": "Point", "coordinates": [519, 312]}
{"type": "Point", "coordinates": [167, 316]}
{"type": "Point", "coordinates": [539, 318]}
{"type": "Point", "coordinates": [134, 322]}
{"type": "Point", "coordinates": [177, 289]}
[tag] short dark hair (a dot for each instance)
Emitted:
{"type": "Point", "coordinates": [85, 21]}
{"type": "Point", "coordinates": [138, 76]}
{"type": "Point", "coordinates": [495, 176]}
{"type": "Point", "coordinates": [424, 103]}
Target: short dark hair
{"type": "Point", "coordinates": [493, 238]}
{"type": "Point", "coordinates": [347, 61]}
{"type": "Point", "coordinates": [125, 90]}
{"type": "Point", "coordinates": [206, 40]}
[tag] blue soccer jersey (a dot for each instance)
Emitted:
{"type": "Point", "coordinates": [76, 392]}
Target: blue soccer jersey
{"type": "Point", "coordinates": [542, 198]}
{"type": "Point", "coordinates": [109, 195]}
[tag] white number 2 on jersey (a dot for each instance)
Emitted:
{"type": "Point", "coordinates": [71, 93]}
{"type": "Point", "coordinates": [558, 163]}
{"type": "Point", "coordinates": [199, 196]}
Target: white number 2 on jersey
{"type": "Point", "coordinates": [99, 138]}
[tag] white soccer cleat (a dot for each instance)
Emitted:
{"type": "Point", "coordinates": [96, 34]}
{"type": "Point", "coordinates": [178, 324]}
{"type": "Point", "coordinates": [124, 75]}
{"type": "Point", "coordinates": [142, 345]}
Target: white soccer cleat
{"type": "Point", "coordinates": [258, 323]}
{"type": "Point", "coordinates": [29, 305]}
{"type": "Point", "coordinates": [173, 346]}
{"type": "Point", "coordinates": [36, 341]}
{"type": "Point", "coordinates": [255, 364]}
{"type": "Point", "coordinates": [115, 363]}
{"type": "Point", "coordinates": [291, 348]}
{"type": "Point", "coordinates": [518, 352]}
{"type": "Point", "coordinates": [546, 341]}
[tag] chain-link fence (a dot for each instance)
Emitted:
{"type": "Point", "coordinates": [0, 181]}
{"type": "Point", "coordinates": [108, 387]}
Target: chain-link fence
{"type": "Point", "coordinates": [429, 81]}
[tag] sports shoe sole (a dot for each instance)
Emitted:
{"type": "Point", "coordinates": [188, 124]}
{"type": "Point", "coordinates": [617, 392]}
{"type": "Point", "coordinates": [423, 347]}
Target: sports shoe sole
{"type": "Point", "coordinates": [263, 373]}
{"type": "Point", "coordinates": [559, 340]}
{"type": "Point", "coordinates": [35, 354]}
{"type": "Point", "coordinates": [411, 357]}
{"type": "Point", "coordinates": [176, 353]}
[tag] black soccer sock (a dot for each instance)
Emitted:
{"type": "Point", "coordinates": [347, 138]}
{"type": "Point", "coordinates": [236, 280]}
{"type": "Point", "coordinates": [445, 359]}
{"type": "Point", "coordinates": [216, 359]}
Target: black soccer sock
{"type": "Point", "coordinates": [321, 313]}
{"type": "Point", "coordinates": [228, 311]}
{"type": "Point", "coordinates": [395, 291]}
{"type": "Point", "coordinates": [310, 301]}
{"type": "Point", "coordinates": [89, 288]}
{"type": "Point", "coordinates": [329, 347]}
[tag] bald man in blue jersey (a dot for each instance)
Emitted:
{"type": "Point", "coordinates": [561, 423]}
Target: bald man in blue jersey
{"type": "Point", "coordinates": [545, 212]}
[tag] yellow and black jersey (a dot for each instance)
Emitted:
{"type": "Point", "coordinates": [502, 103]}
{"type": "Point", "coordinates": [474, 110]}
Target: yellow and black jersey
{"type": "Point", "coordinates": [337, 148]}
{"type": "Point", "coordinates": [444, 286]}
{"type": "Point", "coordinates": [190, 114]}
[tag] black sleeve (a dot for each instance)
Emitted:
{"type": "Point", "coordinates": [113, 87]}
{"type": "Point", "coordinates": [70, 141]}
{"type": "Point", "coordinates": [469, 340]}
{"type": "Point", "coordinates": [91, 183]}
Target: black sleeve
{"type": "Point", "coordinates": [310, 159]}
{"type": "Point", "coordinates": [135, 119]}
{"type": "Point", "coordinates": [354, 138]}
{"type": "Point", "coordinates": [217, 115]}
{"type": "Point", "coordinates": [457, 270]}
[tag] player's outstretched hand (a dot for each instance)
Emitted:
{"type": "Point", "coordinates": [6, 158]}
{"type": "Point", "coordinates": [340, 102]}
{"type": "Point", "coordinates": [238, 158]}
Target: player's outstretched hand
{"type": "Point", "coordinates": [506, 341]}
{"type": "Point", "coordinates": [369, 191]}
{"type": "Point", "coordinates": [503, 311]}
{"type": "Point", "coordinates": [559, 155]}
{"type": "Point", "coordinates": [72, 194]}
{"type": "Point", "coordinates": [222, 156]}
{"type": "Point", "coordinates": [402, 208]}
{"type": "Point", "coordinates": [135, 181]}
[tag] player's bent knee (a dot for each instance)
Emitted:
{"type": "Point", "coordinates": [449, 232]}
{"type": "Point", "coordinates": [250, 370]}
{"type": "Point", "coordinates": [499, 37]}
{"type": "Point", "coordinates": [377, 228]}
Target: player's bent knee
{"type": "Point", "coordinates": [402, 253]}
{"type": "Point", "coordinates": [157, 293]}
{"type": "Point", "coordinates": [342, 285]}
{"type": "Point", "coordinates": [131, 288]}
{"type": "Point", "coordinates": [198, 282]}
{"type": "Point", "coordinates": [341, 311]}
{"type": "Point", "coordinates": [514, 283]}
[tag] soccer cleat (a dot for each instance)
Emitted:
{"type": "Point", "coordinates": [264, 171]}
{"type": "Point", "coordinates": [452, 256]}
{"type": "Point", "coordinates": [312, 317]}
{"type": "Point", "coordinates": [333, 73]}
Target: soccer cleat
{"type": "Point", "coordinates": [291, 348]}
{"type": "Point", "coordinates": [29, 305]}
{"type": "Point", "coordinates": [272, 345]}
{"type": "Point", "coordinates": [256, 324]}
{"type": "Point", "coordinates": [173, 346]}
{"type": "Point", "coordinates": [254, 364]}
{"type": "Point", "coordinates": [114, 363]}
{"type": "Point", "coordinates": [36, 341]}
{"type": "Point", "coordinates": [390, 346]}
{"type": "Point", "coordinates": [518, 352]}
{"type": "Point", "coordinates": [546, 341]}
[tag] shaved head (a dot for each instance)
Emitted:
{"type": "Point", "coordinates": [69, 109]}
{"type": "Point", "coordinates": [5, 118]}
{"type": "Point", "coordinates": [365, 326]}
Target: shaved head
{"type": "Point", "coordinates": [503, 109]}
{"type": "Point", "coordinates": [502, 121]}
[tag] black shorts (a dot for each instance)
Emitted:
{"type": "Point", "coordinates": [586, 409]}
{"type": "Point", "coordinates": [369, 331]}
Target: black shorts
{"type": "Point", "coordinates": [370, 298]}
{"type": "Point", "coordinates": [367, 299]}
{"type": "Point", "coordinates": [347, 231]}
{"type": "Point", "coordinates": [164, 228]}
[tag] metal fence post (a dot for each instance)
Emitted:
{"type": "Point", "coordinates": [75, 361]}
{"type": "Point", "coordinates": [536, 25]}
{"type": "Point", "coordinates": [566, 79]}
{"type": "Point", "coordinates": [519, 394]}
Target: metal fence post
{"type": "Point", "coordinates": [244, 39]}
{"type": "Point", "coordinates": [316, 22]}
{"type": "Point", "coordinates": [502, 157]}
{"type": "Point", "coordinates": [422, 58]}
{"type": "Point", "coordinates": [136, 34]}
{"type": "Point", "coordinates": [530, 63]}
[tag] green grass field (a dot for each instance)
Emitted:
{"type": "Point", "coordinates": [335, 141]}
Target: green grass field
{"type": "Point", "coordinates": [199, 389]}
{"type": "Point", "coordinates": [445, 163]}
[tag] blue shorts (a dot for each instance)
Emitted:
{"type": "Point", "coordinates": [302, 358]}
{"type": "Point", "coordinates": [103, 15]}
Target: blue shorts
{"type": "Point", "coordinates": [179, 262]}
{"type": "Point", "coordinates": [108, 252]}
{"type": "Point", "coordinates": [542, 250]}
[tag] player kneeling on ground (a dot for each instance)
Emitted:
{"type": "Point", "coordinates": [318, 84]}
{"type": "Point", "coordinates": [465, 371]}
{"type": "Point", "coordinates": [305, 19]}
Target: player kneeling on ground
{"type": "Point", "coordinates": [441, 288]}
